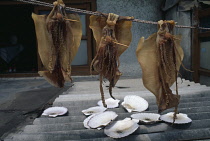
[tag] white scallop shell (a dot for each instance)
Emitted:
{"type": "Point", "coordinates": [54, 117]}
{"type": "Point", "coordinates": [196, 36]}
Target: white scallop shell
{"type": "Point", "coordinates": [85, 122]}
{"type": "Point", "coordinates": [55, 111]}
{"type": "Point", "coordinates": [110, 102]}
{"type": "Point", "coordinates": [102, 119]}
{"type": "Point", "coordinates": [146, 117]}
{"type": "Point", "coordinates": [94, 110]}
{"type": "Point", "coordinates": [134, 103]}
{"type": "Point", "coordinates": [181, 118]}
{"type": "Point", "coordinates": [121, 128]}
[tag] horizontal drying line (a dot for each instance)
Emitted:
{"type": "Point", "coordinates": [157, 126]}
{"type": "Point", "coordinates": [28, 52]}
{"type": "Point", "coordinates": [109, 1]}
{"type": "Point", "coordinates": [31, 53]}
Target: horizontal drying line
{"type": "Point", "coordinates": [35, 2]}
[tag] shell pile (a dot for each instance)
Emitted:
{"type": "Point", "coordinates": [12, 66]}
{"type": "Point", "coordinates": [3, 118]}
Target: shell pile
{"type": "Point", "coordinates": [121, 128]}
{"type": "Point", "coordinates": [147, 118]}
{"type": "Point", "coordinates": [180, 118]}
{"type": "Point", "coordinates": [55, 111]}
{"type": "Point", "coordinates": [102, 119]}
{"type": "Point", "coordinates": [94, 110]}
{"type": "Point", "coordinates": [134, 103]}
{"type": "Point", "coordinates": [110, 102]}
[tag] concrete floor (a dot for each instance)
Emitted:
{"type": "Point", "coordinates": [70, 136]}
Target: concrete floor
{"type": "Point", "coordinates": [23, 99]}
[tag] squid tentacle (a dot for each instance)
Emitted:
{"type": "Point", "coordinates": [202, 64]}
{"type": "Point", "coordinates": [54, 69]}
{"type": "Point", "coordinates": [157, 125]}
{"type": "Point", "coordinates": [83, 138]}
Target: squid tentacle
{"type": "Point", "coordinates": [110, 90]}
{"type": "Point", "coordinates": [102, 91]}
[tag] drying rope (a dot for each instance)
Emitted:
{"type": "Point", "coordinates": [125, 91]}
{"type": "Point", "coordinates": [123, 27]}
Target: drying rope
{"type": "Point", "coordinates": [36, 2]}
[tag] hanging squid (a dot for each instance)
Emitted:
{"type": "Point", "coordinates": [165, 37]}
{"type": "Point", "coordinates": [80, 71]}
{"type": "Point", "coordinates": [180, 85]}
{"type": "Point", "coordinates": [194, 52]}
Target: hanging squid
{"type": "Point", "coordinates": [58, 36]}
{"type": "Point", "coordinates": [160, 57]}
{"type": "Point", "coordinates": [113, 36]}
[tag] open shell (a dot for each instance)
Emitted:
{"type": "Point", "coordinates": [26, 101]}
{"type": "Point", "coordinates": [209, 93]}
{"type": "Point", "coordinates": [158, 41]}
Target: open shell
{"type": "Point", "coordinates": [85, 122]}
{"type": "Point", "coordinates": [180, 118]}
{"type": "Point", "coordinates": [134, 103]}
{"type": "Point", "coordinates": [94, 110]}
{"type": "Point", "coordinates": [102, 119]}
{"type": "Point", "coordinates": [147, 118]}
{"type": "Point", "coordinates": [121, 128]}
{"type": "Point", "coordinates": [110, 102]}
{"type": "Point", "coordinates": [55, 111]}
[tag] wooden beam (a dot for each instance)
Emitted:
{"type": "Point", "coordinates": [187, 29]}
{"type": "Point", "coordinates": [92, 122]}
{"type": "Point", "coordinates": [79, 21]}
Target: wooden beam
{"type": "Point", "coordinates": [195, 48]}
{"type": "Point", "coordinates": [10, 3]}
{"type": "Point", "coordinates": [204, 72]}
{"type": "Point", "coordinates": [204, 34]}
{"type": "Point", "coordinates": [204, 13]}
{"type": "Point", "coordinates": [7, 75]}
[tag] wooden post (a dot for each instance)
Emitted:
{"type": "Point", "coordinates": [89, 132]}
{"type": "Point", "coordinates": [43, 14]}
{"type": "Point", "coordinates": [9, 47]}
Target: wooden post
{"type": "Point", "coordinates": [195, 47]}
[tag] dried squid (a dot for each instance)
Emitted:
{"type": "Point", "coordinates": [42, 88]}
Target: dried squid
{"type": "Point", "coordinates": [160, 57]}
{"type": "Point", "coordinates": [113, 36]}
{"type": "Point", "coordinates": [58, 37]}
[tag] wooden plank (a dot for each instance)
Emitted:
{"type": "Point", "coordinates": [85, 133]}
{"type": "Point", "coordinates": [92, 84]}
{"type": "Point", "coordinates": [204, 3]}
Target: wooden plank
{"type": "Point", "coordinates": [204, 13]}
{"type": "Point", "coordinates": [204, 34]}
{"type": "Point", "coordinates": [7, 2]}
{"type": "Point", "coordinates": [89, 46]}
{"type": "Point", "coordinates": [93, 8]}
{"type": "Point", "coordinates": [195, 47]}
{"type": "Point", "coordinates": [82, 70]}
{"type": "Point", "coordinates": [11, 3]}
{"type": "Point", "coordinates": [7, 75]}
{"type": "Point", "coordinates": [200, 71]}
{"type": "Point", "coordinates": [71, 1]}
{"type": "Point", "coordinates": [205, 72]}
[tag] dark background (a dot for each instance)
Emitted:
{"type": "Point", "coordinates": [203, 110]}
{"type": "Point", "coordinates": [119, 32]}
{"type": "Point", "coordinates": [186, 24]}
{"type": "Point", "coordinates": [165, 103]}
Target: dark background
{"type": "Point", "coordinates": [16, 20]}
